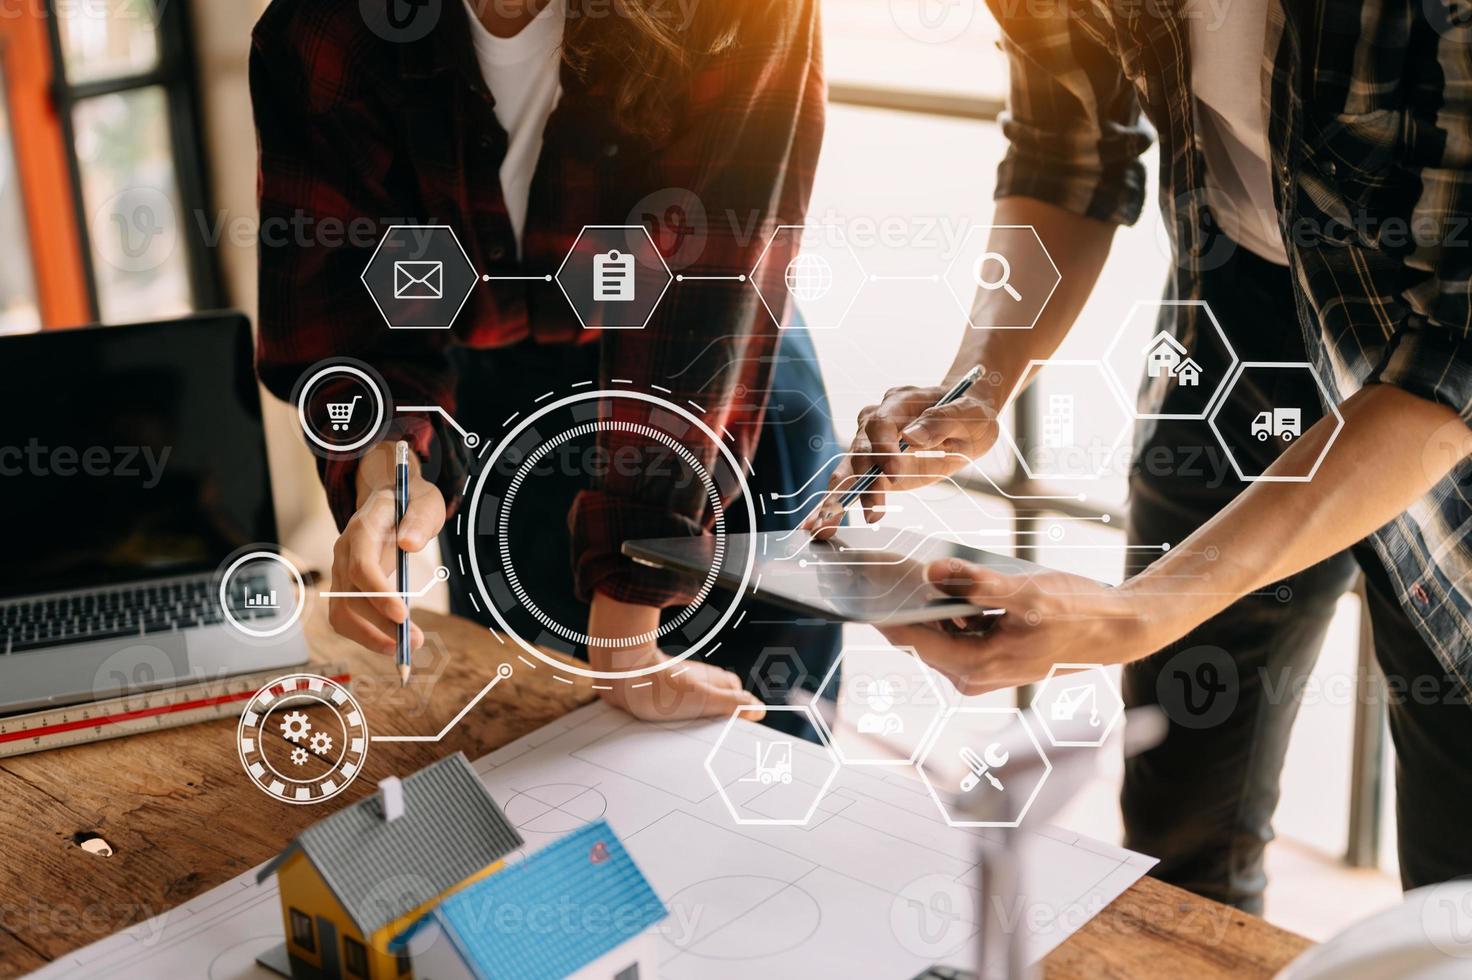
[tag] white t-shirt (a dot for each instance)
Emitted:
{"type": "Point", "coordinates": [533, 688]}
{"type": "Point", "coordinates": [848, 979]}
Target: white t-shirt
{"type": "Point", "coordinates": [523, 73]}
{"type": "Point", "coordinates": [1226, 78]}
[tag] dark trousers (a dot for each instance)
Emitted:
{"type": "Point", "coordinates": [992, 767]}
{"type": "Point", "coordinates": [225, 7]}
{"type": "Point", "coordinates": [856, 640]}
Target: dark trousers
{"type": "Point", "coordinates": [1203, 801]}
{"type": "Point", "coordinates": [773, 652]}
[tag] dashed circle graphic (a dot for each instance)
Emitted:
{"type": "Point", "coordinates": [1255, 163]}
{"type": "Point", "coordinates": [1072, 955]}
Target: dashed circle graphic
{"type": "Point", "coordinates": [540, 453]}
{"type": "Point", "coordinates": [482, 593]}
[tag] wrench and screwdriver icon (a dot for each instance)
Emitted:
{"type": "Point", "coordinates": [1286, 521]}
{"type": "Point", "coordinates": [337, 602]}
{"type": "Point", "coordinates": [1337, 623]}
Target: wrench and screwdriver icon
{"type": "Point", "coordinates": [992, 757]}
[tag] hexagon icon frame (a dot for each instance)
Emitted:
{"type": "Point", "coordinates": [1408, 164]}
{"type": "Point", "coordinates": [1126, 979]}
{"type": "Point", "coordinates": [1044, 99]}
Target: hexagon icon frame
{"type": "Point", "coordinates": [1032, 737]}
{"type": "Point", "coordinates": [1022, 382]}
{"type": "Point", "coordinates": [669, 276]}
{"type": "Point", "coordinates": [1042, 718]}
{"type": "Point", "coordinates": [475, 276]}
{"type": "Point", "coordinates": [817, 797]}
{"type": "Point", "coordinates": [756, 282]}
{"type": "Point", "coordinates": [1125, 388]}
{"type": "Point", "coordinates": [1242, 369]}
{"type": "Point", "coordinates": [966, 302]}
{"type": "Point", "coordinates": [929, 681]}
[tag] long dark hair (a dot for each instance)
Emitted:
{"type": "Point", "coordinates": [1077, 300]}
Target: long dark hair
{"type": "Point", "coordinates": [649, 51]}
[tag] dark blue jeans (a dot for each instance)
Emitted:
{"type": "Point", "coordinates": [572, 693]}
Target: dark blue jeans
{"type": "Point", "coordinates": [1203, 801]}
{"type": "Point", "coordinates": [774, 652]}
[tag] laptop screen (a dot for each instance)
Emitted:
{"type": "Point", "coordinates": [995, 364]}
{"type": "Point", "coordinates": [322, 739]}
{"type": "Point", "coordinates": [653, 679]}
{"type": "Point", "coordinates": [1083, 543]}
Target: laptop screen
{"type": "Point", "coordinates": [129, 452]}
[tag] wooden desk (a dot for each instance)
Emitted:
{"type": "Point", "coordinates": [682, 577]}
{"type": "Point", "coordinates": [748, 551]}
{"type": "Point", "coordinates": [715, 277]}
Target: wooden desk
{"type": "Point", "coordinates": [182, 818]}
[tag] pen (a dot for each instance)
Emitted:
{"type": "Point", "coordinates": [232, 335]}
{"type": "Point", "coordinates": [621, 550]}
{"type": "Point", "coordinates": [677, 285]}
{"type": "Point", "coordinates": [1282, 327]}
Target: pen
{"type": "Point", "coordinates": [401, 504]}
{"type": "Point", "coordinates": [867, 480]}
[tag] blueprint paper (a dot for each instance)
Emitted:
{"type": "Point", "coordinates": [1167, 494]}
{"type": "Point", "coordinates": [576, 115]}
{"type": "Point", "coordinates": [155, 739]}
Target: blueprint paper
{"type": "Point", "coordinates": [874, 885]}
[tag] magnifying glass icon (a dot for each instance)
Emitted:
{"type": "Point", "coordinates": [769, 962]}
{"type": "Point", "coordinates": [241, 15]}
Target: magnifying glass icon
{"type": "Point", "coordinates": [991, 283]}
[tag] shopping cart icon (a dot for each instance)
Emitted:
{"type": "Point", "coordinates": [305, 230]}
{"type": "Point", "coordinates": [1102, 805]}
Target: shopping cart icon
{"type": "Point", "coordinates": [340, 414]}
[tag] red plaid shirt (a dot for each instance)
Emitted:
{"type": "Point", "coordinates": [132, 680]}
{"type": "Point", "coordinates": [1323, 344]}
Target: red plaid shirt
{"type": "Point", "coordinates": [355, 129]}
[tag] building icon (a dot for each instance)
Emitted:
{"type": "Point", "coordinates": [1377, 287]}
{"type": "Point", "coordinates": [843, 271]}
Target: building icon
{"type": "Point", "coordinates": [1058, 422]}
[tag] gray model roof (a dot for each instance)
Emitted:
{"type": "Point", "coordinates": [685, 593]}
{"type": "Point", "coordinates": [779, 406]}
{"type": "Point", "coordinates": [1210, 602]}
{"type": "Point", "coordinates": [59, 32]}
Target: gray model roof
{"type": "Point", "coordinates": [451, 828]}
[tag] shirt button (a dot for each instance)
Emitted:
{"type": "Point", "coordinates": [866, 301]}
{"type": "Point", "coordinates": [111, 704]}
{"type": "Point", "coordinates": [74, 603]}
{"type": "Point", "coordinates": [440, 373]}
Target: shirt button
{"type": "Point", "coordinates": [497, 253]}
{"type": "Point", "coordinates": [1418, 592]}
{"type": "Point", "coordinates": [610, 149]}
{"type": "Point", "coordinates": [1330, 168]}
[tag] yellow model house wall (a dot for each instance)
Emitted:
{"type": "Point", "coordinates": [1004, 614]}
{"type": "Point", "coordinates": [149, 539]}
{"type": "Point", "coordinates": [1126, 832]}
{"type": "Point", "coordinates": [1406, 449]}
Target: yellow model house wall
{"type": "Point", "coordinates": [303, 889]}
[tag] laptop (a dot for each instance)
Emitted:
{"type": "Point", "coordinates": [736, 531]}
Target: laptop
{"type": "Point", "coordinates": [132, 468]}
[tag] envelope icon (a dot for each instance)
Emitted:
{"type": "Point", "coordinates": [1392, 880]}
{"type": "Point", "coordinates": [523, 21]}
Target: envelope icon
{"type": "Point", "coordinates": [419, 280]}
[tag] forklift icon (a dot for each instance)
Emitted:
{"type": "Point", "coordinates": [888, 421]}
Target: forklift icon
{"type": "Point", "coordinates": [773, 764]}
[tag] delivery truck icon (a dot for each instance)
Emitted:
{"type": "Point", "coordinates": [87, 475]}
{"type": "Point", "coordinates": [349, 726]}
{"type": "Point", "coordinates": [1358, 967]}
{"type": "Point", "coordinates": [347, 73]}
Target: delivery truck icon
{"type": "Point", "coordinates": [1285, 423]}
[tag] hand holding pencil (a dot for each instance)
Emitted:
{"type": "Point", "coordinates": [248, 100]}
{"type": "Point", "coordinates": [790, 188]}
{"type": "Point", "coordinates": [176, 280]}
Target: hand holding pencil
{"type": "Point", "coordinates": [365, 557]}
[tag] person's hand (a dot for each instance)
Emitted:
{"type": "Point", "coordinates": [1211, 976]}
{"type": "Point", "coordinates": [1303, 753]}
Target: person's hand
{"type": "Point", "coordinates": [953, 435]}
{"type": "Point", "coordinates": [1049, 618]}
{"type": "Point", "coordinates": [364, 558]}
{"type": "Point", "coordinates": [690, 689]}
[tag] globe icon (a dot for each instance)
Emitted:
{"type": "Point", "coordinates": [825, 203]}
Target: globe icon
{"type": "Point", "coordinates": [809, 277]}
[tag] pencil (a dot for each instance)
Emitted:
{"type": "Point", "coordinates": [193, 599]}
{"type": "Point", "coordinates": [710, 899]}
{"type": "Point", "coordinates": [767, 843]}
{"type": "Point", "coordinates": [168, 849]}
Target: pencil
{"type": "Point", "coordinates": [401, 504]}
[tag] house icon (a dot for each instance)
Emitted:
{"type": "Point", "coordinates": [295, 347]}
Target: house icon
{"type": "Point", "coordinates": [1188, 373]}
{"type": "Point", "coordinates": [1164, 352]}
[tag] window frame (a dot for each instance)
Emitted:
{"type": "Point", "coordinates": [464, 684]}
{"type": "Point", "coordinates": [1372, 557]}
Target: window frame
{"type": "Point", "coordinates": [354, 955]}
{"type": "Point", "coordinates": [298, 919]}
{"type": "Point", "coordinates": [176, 73]}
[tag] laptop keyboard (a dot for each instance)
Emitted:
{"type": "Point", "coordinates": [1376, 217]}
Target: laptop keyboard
{"type": "Point", "coordinates": [135, 611]}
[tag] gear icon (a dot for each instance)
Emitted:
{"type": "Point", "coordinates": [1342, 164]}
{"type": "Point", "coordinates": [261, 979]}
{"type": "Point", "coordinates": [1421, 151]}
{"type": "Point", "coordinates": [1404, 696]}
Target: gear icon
{"type": "Point", "coordinates": [321, 743]}
{"type": "Point", "coordinates": [295, 726]}
{"type": "Point", "coordinates": [299, 757]}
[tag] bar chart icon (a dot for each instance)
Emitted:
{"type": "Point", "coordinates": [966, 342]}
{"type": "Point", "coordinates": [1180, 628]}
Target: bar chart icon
{"type": "Point", "coordinates": [259, 600]}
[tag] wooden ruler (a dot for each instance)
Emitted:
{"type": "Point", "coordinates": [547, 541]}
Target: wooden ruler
{"type": "Point", "coordinates": [132, 714]}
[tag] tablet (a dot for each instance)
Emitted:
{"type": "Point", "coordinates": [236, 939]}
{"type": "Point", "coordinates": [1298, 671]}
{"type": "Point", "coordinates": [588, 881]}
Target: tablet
{"type": "Point", "coordinates": [860, 575]}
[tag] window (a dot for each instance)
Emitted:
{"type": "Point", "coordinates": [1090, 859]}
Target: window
{"type": "Point", "coordinates": [125, 92]}
{"type": "Point", "coordinates": [301, 931]}
{"type": "Point", "coordinates": [19, 309]}
{"type": "Point", "coordinates": [354, 957]}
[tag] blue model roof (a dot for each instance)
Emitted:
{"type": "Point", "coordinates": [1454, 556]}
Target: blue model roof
{"type": "Point", "coordinates": [554, 912]}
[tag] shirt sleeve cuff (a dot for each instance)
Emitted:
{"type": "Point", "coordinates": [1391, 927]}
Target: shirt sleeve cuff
{"type": "Point", "coordinates": [1431, 363]}
{"type": "Point", "coordinates": [1116, 198]}
{"type": "Point", "coordinates": [600, 523]}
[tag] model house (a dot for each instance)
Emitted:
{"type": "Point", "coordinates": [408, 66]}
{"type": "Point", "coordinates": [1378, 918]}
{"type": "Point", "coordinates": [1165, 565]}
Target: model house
{"type": "Point", "coordinates": [577, 908]}
{"type": "Point", "coordinates": [1163, 353]}
{"type": "Point", "coordinates": [353, 882]}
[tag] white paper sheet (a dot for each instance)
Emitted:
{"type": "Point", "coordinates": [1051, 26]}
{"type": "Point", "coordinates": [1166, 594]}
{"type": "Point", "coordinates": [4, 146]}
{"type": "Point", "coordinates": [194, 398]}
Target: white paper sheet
{"type": "Point", "coordinates": [875, 885]}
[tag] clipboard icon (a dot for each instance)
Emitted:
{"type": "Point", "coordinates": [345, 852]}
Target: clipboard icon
{"type": "Point", "coordinates": [419, 279]}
